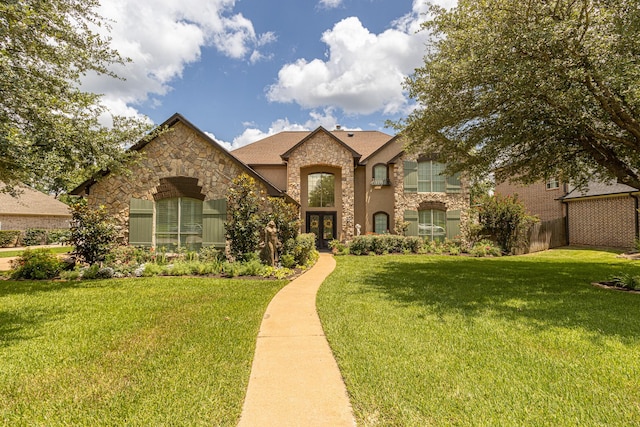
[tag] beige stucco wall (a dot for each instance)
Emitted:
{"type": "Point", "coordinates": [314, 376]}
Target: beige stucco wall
{"type": "Point", "coordinates": [276, 175]}
{"type": "Point", "coordinates": [321, 152]}
{"type": "Point", "coordinates": [360, 198]}
{"type": "Point", "coordinates": [607, 221]}
{"type": "Point", "coordinates": [178, 152]}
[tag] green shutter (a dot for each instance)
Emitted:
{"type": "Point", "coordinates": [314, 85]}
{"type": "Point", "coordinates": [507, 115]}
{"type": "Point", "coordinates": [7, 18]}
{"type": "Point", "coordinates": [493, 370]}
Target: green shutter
{"type": "Point", "coordinates": [453, 225]}
{"type": "Point", "coordinates": [410, 177]}
{"type": "Point", "coordinates": [214, 214]}
{"type": "Point", "coordinates": [453, 183]}
{"type": "Point", "coordinates": [412, 218]}
{"type": "Point", "coordinates": [140, 222]}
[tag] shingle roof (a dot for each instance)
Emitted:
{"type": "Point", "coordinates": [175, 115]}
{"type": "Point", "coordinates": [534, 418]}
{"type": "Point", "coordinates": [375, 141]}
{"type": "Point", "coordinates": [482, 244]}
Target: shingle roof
{"type": "Point", "coordinates": [267, 151]}
{"type": "Point", "coordinates": [31, 202]}
{"type": "Point", "coordinates": [599, 189]}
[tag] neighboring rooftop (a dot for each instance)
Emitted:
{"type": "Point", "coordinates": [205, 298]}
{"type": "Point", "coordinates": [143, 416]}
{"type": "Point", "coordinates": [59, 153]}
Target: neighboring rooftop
{"type": "Point", "coordinates": [267, 151]}
{"type": "Point", "coordinates": [594, 189]}
{"type": "Point", "coordinates": [31, 202]}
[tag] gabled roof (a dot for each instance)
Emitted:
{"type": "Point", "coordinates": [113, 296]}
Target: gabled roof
{"type": "Point", "coordinates": [595, 189]}
{"type": "Point", "coordinates": [31, 202]}
{"type": "Point", "coordinates": [272, 150]}
{"type": "Point", "coordinates": [172, 121]}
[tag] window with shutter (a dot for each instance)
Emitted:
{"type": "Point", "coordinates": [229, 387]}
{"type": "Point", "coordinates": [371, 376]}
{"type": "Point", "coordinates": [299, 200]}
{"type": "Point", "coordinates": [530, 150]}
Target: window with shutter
{"type": "Point", "coordinates": [140, 222]}
{"type": "Point", "coordinates": [214, 215]}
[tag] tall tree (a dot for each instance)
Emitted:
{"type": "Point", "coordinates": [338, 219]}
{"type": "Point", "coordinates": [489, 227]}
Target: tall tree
{"type": "Point", "coordinates": [49, 127]}
{"type": "Point", "coordinates": [540, 88]}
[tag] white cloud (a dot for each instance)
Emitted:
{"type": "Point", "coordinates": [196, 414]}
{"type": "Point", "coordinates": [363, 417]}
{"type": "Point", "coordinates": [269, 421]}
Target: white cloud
{"type": "Point", "coordinates": [324, 118]}
{"type": "Point", "coordinates": [162, 37]}
{"type": "Point", "coordinates": [363, 73]}
{"type": "Point", "coordinates": [330, 4]}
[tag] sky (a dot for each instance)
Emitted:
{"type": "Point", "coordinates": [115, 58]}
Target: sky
{"type": "Point", "coordinates": [241, 70]}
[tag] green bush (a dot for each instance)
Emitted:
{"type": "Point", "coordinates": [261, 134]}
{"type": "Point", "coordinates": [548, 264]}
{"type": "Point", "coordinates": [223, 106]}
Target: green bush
{"type": "Point", "coordinates": [485, 248]}
{"type": "Point", "coordinates": [9, 238]}
{"type": "Point", "coordinates": [305, 249]}
{"type": "Point", "coordinates": [627, 281]}
{"type": "Point", "coordinates": [36, 264]}
{"type": "Point", "coordinates": [34, 237]}
{"type": "Point", "coordinates": [288, 260]}
{"type": "Point", "coordinates": [413, 244]}
{"type": "Point", "coordinates": [93, 232]}
{"type": "Point", "coordinates": [244, 224]}
{"type": "Point", "coordinates": [60, 236]}
{"type": "Point", "coordinates": [504, 219]}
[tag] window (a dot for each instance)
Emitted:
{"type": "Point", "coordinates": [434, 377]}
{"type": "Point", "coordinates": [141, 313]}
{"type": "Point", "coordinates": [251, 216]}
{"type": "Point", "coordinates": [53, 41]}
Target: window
{"type": "Point", "coordinates": [380, 175]}
{"type": "Point", "coordinates": [381, 223]}
{"type": "Point", "coordinates": [179, 223]}
{"type": "Point", "coordinates": [433, 224]}
{"type": "Point", "coordinates": [552, 184]}
{"type": "Point", "coordinates": [428, 177]}
{"type": "Point", "coordinates": [321, 190]}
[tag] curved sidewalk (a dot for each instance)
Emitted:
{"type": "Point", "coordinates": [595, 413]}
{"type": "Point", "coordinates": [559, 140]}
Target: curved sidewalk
{"type": "Point", "coordinates": [295, 380]}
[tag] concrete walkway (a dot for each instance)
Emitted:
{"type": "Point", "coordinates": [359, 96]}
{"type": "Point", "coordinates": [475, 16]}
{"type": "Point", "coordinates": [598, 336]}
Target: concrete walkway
{"type": "Point", "coordinates": [295, 380]}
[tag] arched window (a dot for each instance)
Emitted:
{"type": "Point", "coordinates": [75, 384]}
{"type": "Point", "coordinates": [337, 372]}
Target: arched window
{"type": "Point", "coordinates": [380, 175]}
{"type": "Point", "coordinates": [321, 190]}
{"type": "Point", "coordinates": [381, 223]}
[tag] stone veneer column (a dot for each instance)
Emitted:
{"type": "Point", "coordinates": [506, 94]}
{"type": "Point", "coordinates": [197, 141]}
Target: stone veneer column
{"type": "Point", "coordinates": [323, 150]}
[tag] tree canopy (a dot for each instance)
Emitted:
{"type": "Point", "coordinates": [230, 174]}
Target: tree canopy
{"type": "Point", "coordinates": [50, 128]}
{"type": "Point", "coordinates": [533, 89]}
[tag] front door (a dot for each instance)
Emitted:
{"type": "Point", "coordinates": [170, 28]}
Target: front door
{"type": "Point", "coordinates": [323, 225]}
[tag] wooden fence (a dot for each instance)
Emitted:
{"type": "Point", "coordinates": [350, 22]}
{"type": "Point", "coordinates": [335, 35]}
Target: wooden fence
{"type": "Point", "coordinates": [545, 235]}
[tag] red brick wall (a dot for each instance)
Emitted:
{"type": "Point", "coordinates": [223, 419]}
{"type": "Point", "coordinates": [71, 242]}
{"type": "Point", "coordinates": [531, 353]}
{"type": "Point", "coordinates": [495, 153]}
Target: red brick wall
{"type": "Point", "coordinates": [606, 222]}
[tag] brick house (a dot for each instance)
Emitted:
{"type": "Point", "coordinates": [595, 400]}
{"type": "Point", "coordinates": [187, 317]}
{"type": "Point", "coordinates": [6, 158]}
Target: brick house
{"type": "Point", "coordinates": [339, 179]}
{"type": "Point", "coordinates": [602, 214]}
{"type": "Point", "coordinates": [32, 209]}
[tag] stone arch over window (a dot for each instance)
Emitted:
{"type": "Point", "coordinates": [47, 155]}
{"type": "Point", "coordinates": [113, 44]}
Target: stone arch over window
{"type": "Point", "coordinates": [427, 205]}
{"type": "Point", "coordinates": [178, 186]}
{"type": "Point", "coordinates": [380, 222]}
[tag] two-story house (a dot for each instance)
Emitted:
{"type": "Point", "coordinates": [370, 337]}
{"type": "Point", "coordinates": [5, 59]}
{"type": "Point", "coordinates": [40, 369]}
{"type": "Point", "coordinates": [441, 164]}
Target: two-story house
{"type": "Point", "coordinates": [344, 182]}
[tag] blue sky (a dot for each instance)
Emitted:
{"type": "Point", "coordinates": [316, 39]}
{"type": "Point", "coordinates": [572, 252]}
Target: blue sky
{"type": "Point", "coordinates": [241, 70]}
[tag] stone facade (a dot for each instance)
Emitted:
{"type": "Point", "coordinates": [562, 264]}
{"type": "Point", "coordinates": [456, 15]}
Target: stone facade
{"type": "Point", "coordinates": [178, 152]}
{"type": "Point", "coordinates": [318, 152]}
{"type": "Point", "coordinates": [415, 201]}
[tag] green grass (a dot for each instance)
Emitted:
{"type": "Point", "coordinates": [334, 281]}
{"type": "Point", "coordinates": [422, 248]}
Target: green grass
{"type": "Point", "coordinates": [135, 352]}
{"type": "Point", "coordinates": [437, 340]}
{"type": "Point", "coordinates": [55, 250]}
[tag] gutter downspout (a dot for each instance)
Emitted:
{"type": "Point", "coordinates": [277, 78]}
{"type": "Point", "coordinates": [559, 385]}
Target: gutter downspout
{"type": "Point", "coordinates": [566, 213]}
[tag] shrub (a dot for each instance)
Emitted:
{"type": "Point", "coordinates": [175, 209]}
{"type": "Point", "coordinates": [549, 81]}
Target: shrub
{"type": "Point", "coordinates": [288, 260]}
{"type": "Point", "coordinates": [9, 238]}
{"type": "Point", "coordinates": [338, 248]}
{"type": "Point", "coordinates": [244, 222]}
{"type": "Point", "coordinates": [60, 236]}
{"type": "Point", "coordinates": [627, 281]}
{"type": "Point", "coordinates": [504, 219]}
{"type": "Point", "coordinates": [485, 248]}
{"type": "Point", "coordinates": [93, 232]}
{"type": "Point", "coordinates": [413, 244]}
{"type": "Point", "coordinates": [305, 249]}
{"type": "Point", "coordinates": [36, 264]}
{"type": "Point", "coordinates": [210, 254]}
{"type": "Point", "coordinates": [34, 237]}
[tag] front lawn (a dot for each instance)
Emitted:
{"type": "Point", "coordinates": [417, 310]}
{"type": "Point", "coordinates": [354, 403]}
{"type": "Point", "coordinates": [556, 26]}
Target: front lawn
{"type": "Point", "coordinates": [151, 351]}
{"type": "Point", "coordinates": [439, 340]}
{"type": "Point", "coordinates": [18, 252]}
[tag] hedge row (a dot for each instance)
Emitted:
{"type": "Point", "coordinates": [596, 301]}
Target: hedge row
{"type": "Point", "coordinates": [33, 237]}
